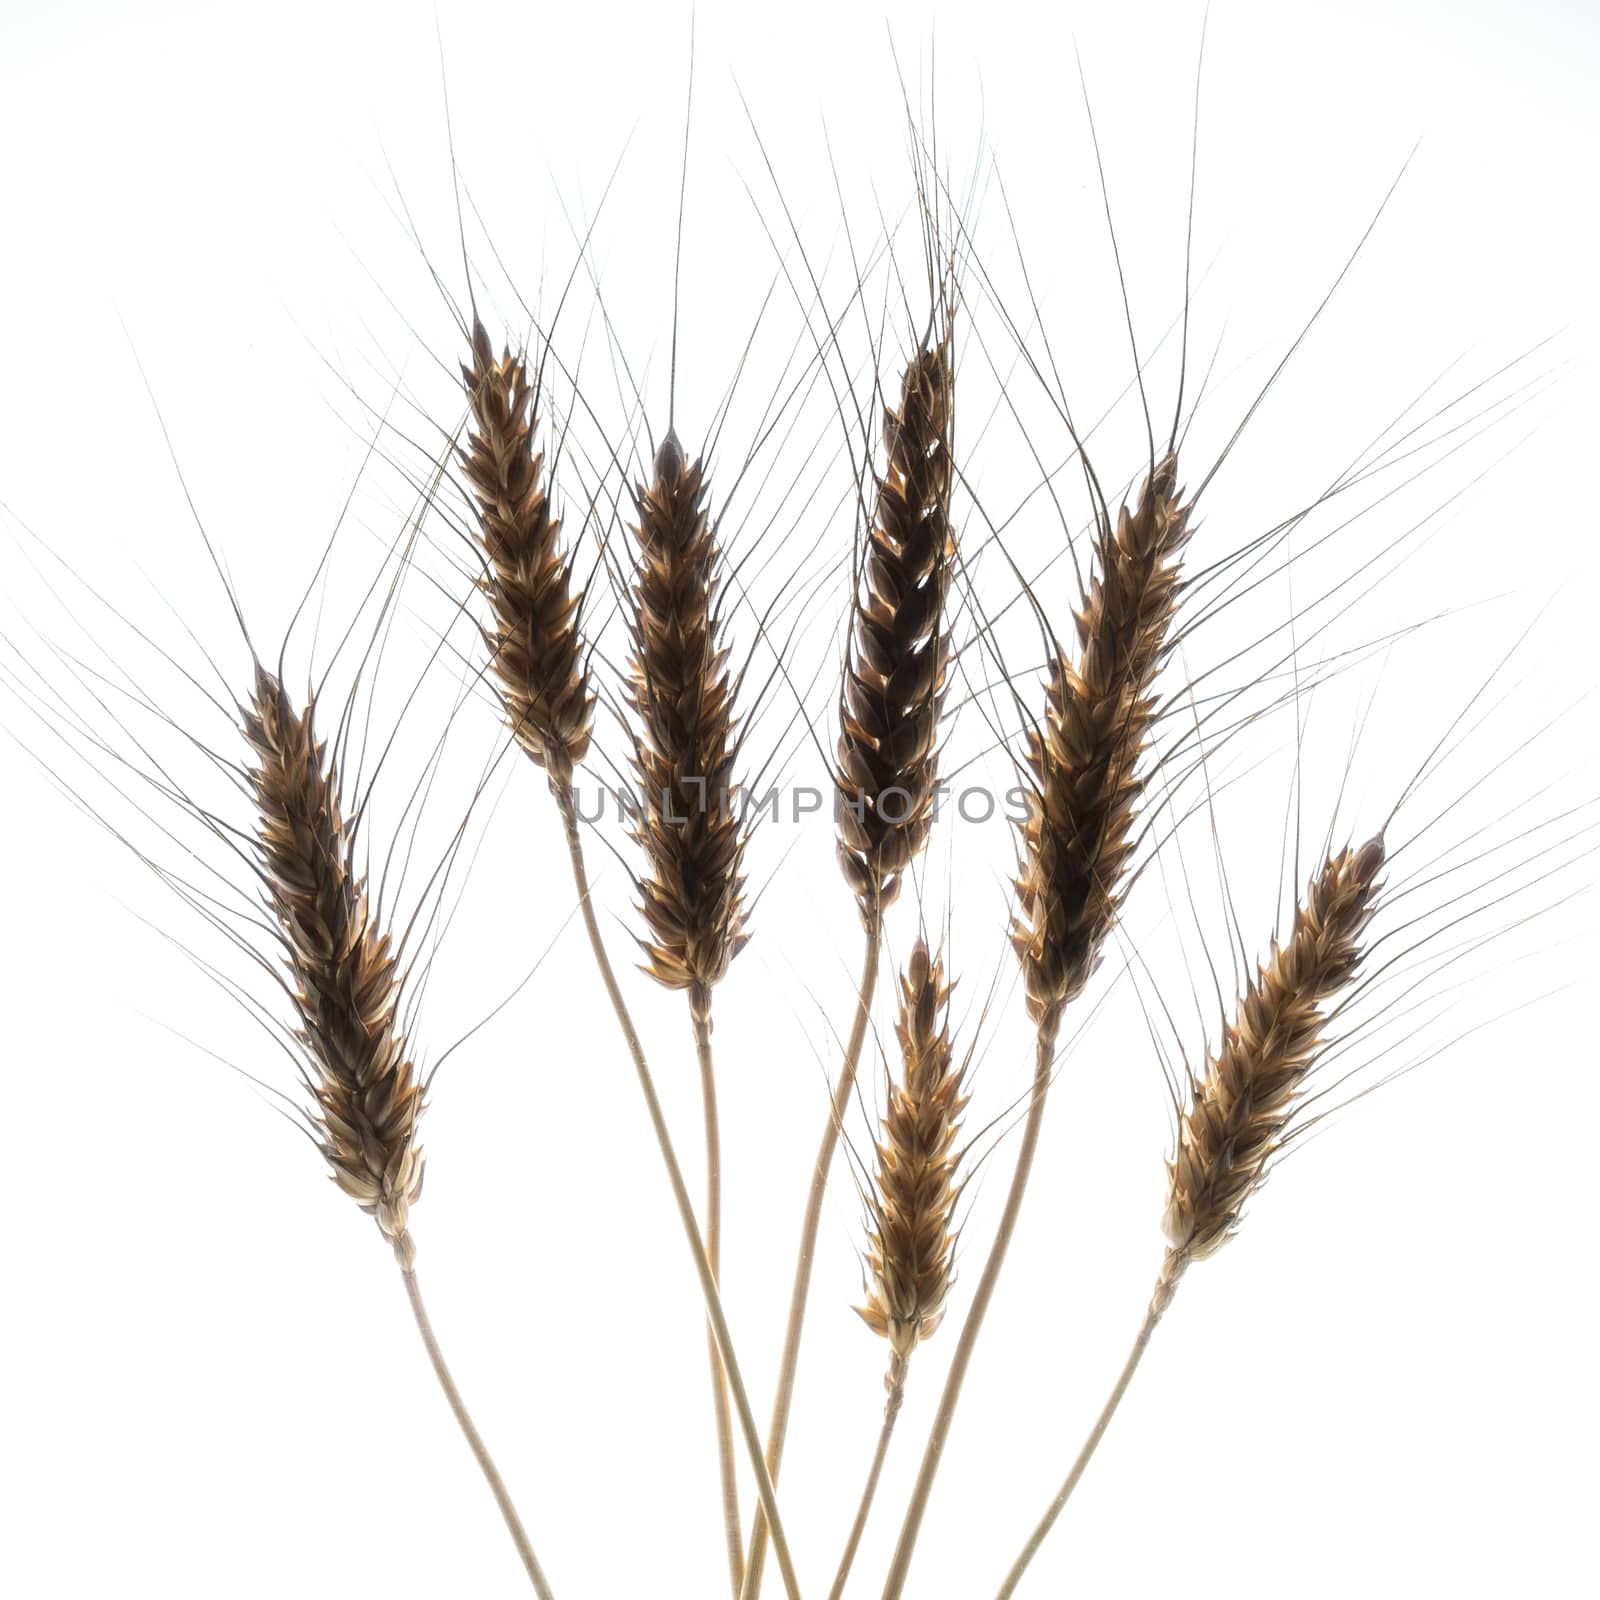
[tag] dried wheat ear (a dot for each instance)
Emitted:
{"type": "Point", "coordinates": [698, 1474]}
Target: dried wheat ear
{"type": "Point", "coordinates": [1084, 757]}
{"type": "Point", "coordinates": [892, 694]}
{"type": "Point", "coordinates": [535, 647]}
{"type": "Point", "coordinates": [687, 740]}
{"type": "Point", "coordinates": [911, 1255]}
{"type": "Point", "coordinates": [342, 968]}
{"type": "Point", "coordinates": [1242, 1104]}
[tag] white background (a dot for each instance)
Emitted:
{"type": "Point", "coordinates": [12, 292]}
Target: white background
{"type": "Point", "coordinates": [208, 1382]}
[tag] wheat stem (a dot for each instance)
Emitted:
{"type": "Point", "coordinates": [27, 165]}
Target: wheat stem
{"type": "Point", "coordinates": [1090, 1444]}
{"type": "Point", "coordinates": [1049, 1025]}
{"type": "Point", "coordinates": [480, 1450]}
{"type": "Point", "coordinates": [778, 1428]}
{"type": "Point", "coordinates": [1243, 1102]}
{"type": "Point", "coordinates": [891, 1414]}
{"type": "Point", "coordinates": [567, 806]}
{"type": "Point", "coordinates": [733, 1527]}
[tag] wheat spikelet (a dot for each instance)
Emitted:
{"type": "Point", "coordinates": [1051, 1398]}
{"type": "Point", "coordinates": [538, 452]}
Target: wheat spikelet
{"type": "Point", "coordinates": [910, 1259]}
{"type": "Point", "coordinates": [893, 689]}
{"type": "Point", "coordinates": [534, 643]}
{"type": "Point", "coordinates": [1242, 1103]}
{"type": "Point", "coordinates": [688, 741]}
{"type": "Point", "coordinates": [345, 984]}
{"type": "Point", "coordinates": [1084, 758]}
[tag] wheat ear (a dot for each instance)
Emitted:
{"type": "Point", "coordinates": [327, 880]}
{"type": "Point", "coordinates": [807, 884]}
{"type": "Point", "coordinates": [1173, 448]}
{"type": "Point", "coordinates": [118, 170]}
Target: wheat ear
{"type": "Point", "coordinates": [685, 749]}
{"type": "Point", "coordinates": [1242, 1104]}
{"type": "Point", "coordinates": [1084, 759]}
{"type": "Point", "coordinates": [535, 647]}
{"type": "Point", "coordinates": [890, 702]}
{"type": "Point", "coordinates": [537, 656]}
{"type": "Point", "coordinates": [346, 988]}
{"type": "Point", "coordinates": [911, 1254]}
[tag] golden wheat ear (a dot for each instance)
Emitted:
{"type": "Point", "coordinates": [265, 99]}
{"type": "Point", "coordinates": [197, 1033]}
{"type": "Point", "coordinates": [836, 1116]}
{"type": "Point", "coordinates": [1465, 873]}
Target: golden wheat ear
{"type": "Point", "coordinates": [535, 647]}
{"type": "Point", "coordinates": [687, 736]}
{"type": "Point", "coordinates": [344, 980]}
{"type": "Point", "coordinates": [911, 1253]}
{"type": "Point", "coordinates": [1242, 1103]}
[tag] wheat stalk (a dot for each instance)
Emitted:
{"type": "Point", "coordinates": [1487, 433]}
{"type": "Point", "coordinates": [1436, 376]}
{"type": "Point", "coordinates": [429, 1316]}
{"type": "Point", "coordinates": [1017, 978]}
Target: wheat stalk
{"type": "Point", "coordinates": [1243, 1102]}
{"type": "Point", "coordinates": [685, 749]}
{"type": "Point", "coordinates": [911, 1253]}
{"type": "Point", "coordinates": [346, 988]}
{"type": "Point", "coordinates": [537, 655]}
{"type": "Point", "coordinates": [1076, 839]}
{"type": "Point", "coordinates": [890, 701]}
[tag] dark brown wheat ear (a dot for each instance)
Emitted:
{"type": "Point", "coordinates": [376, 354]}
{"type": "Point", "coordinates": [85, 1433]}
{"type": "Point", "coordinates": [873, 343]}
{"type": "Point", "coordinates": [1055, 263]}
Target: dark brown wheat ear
{"type": "Point", "coordinates": [344, 980]}
{"type": "Point", "coordinates": [1076, 840]}
{"type": "Point", "coordinates": [1243, 1103]}
{"type": "Point", "coordinates": [1084, 755]}
{"type": "Point", "coordinates": [535, 646]}
{"type": "Point", "coordinates": [892, 694]}
{"type": "Point", "coordinates": [686, 744]}
{"type": "Point", "coordinates": [346, 987]}
{"type": "Point", "coordinates": [687, 736]}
